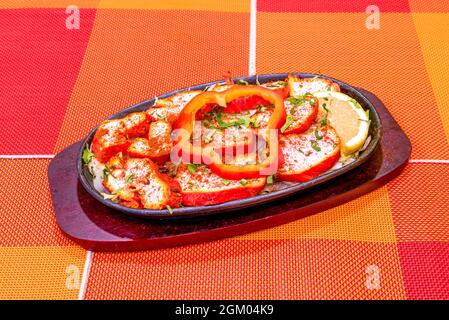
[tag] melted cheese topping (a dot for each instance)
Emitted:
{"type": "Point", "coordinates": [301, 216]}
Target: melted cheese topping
{"type": "Point", "coordinates": [159, 137]}
{"type": "Point", "coordinates": [243, 160]}
{"type": "Point", "coordinates": [204, 180]}
{"type": "Point", "coordinates": [229, 137]}
{"type": "Point", "coordinates": [140, 169]}
{"type": "Point", "coordinates": [302, 86]}
{"type": "Point", "coordinates": [159, 128]}
{"type": "Point", "coordinates": [140, 177]}
{"type": "Point", "coordinates": [260, 119]}
{"type": "Point", "coordinates": [299, 152]}
{"type": "Point", "coordinates": [168, 109]}
{"type": "Point", "coordinates": [133, 119]}
{"type": "Point", "coordinates": [137, 172]}
{"type": "Point", "coordinates": [182, 98]}
{"type": "Point", "coordinates": [236, 135]}
{"type": "Point", "coordinates": [113, 126]}
{"type": "Point", "coordinates": [111, 132]}
{"type": "Point", "coordinates": [116, 180]}
{"type": "Point", "coordinates": [154, 194]}
{"type": "Point", "coordinates": [140, 144]}
{"type": "Point", "coordinates": [112, 139]}
{"type": "Point", "coordinates": [299, 113]}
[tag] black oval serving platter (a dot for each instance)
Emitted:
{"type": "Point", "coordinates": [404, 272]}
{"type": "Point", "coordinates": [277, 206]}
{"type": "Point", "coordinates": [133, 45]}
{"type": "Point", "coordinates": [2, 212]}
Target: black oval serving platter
{"type": "Point", "coordinates": [375, 132]}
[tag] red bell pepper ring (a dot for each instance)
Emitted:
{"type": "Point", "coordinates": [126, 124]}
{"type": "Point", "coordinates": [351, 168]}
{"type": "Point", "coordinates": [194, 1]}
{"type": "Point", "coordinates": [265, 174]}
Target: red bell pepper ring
{"type": "Point", "coordinates": [207, 155]}
{"type": "Point", "coordinates": [245, 103]}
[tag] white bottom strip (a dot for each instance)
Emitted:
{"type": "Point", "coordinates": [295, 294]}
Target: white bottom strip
{"type": "Point", "coordinates": [428, 161]}
{"type": "Point", "coordinates": [85, 277]}
{"type": "Point", "coordinates": [27, 156]}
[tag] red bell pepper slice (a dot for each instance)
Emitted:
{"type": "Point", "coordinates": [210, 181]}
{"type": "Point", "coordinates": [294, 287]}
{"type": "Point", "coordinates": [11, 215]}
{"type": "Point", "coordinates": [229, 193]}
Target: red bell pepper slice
{"type": "Point", "coordinates": [202, 187]}
{"type": "Point", "coordinates": [187, 118]}
{"type": "Point", "coordinates": [302, 112]}
{"type": "Point", "coordinates": [309, 154]}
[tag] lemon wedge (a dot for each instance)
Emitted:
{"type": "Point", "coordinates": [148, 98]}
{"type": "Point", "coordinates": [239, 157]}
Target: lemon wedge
{"type": "Point", "coordinates": [347, 117]}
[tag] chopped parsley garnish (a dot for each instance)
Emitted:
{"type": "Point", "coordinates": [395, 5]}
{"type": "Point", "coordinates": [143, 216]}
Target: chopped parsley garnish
{"type": "Point", "coordinates": [292, 111]}
{"type": "Point", "coordinates": [271, 179]}
{"type": "Point", "coordinates": [261, 108]}
{"type": "Point", "coordinates": [315, 146]}
{"type": "Point", "coordinates": [254, 123]}
{"type": "Point", "coordinates": [282, 83]}
{"type": "Point", "coordinates": [117, 191]}
{"type": "Point", "coordinates": [242, 82]}
{"type": "Point", "coordinates": [288, 121]}
{"type": "Point", "coordinates": [192, 168]}
{"type": "Point", "coordinates": [243, 182]}
{"type": "Point", "coordinates": [317, 134]}
{"type": "Point", "coordinates": [325, 107]}
{"type": "Point", "coordinates": [129, 179]}
{"type": "Point", "coordinates": [244, 120]}
{"type": "Point", "coordinates": [169, 209]}
{"type": "Point", "coordinates": [113, 197]}
{"type": "Point", "coordinates": [276, 84]}
{"type": "Point", "coordinates": [296, 100]}
{"type": "Point", "coordinates": [207, 123]}
{"type": "Point", "coordinates": [106, 172]}
{"type": "Point", "coordinates": [323, 120]}
{"type": "Point", "coordinates": [225, 182]}
{"type": "Point", "coordinates": [87, 155]}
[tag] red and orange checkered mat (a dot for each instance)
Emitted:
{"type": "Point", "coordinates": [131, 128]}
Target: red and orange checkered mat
{"type": "Point", "coordinates": [58, 83]}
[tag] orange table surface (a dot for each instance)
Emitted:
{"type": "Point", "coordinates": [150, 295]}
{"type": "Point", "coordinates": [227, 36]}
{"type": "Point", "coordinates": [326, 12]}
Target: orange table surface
{"type": "Point", "coordinates": [57, 83]}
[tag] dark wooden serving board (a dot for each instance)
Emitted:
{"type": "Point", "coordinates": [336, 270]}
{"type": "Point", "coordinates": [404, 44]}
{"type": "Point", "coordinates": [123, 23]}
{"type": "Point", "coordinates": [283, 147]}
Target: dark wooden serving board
{"type": "Point", "coordinates": [99, 228]}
